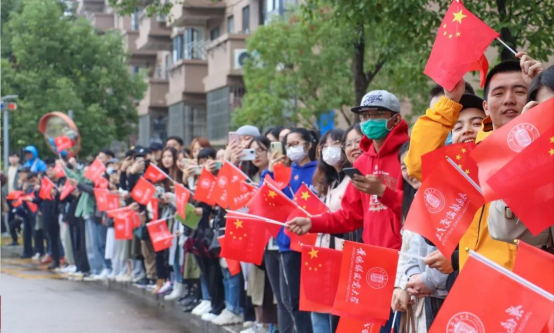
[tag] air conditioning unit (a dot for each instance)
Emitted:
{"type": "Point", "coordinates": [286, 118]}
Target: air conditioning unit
{"type": "Point", "coordinates": [241, 55]}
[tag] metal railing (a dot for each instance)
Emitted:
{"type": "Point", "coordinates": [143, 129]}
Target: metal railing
{"type": "Point", "coordinates": [195, 50]}
{"type": "Point", "coordinates": [160, 73]}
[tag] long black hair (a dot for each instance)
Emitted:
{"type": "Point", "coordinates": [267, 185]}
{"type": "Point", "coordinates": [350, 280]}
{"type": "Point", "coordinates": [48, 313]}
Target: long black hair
{"type": "Point", "coordinates": [409, 191]}
{"type": "Point", "coordinates": [249, 168]}
{"type": "Point", "coordinates": [274, 131]}
{"type": "Point", "coordinates": [308, 136]}
{"type": "Point", "coordinates": [325, 173]}
{"type": "Point", "coordinates": [544, 79]}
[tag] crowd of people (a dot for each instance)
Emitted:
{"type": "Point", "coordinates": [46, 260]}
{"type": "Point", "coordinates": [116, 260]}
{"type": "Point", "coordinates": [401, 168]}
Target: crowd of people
{"type": "Point", "coordinates": [74, 238]}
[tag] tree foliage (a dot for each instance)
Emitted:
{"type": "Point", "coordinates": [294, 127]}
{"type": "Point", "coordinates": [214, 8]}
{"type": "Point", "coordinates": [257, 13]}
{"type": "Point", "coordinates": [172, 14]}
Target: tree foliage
{"type": "Point", "coordinates": [298, 70]}
{"type": "Point", "coordinates": [58, 64]}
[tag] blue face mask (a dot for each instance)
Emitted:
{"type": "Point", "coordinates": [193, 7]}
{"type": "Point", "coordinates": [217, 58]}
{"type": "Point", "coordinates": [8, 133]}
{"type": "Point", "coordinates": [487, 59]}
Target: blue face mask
{"type": "Point", "coordinates": [375, 129]}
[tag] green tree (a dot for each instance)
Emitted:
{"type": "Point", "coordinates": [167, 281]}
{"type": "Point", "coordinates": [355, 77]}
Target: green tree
{"type": "Point", "coordinates": [298, 70]}
{"type": "Point", "coordinates": [59, 63]}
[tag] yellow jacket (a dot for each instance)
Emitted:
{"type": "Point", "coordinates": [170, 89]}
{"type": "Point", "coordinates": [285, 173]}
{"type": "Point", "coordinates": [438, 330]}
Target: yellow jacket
{"type": "Point", "coordinates": [429, 133]}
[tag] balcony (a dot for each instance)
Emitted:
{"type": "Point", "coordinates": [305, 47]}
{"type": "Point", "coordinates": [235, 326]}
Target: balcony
{"type": "Point", "coordinates": [222, 70]}
{"type": "Point", "coordinates": [154, 97]}
{"type": "Point", "coordinates": [196, 12]}
{"type": "Point", "coordinates": [186, 75]}
{"type": "Point", "coordinates": [102, 21]}
{"type": "Point", "coordinates": [90, 6]}
{"type": "Point", "coordinates": [141, 58]}
{"type": "Point", "coordinates": [153, 34]}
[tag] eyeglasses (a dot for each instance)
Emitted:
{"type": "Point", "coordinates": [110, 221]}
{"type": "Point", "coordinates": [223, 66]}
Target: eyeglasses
{"type": "Point", "coordinates": [352, 144]}
{"type": "Point", "coordinates": [260, 151]}
{"type": "Point", "coordinates": [335, 143]}
{"type": "Point", "coordinates": [372, 114]}
{"type": "Point", "coordinates": [294, 144]}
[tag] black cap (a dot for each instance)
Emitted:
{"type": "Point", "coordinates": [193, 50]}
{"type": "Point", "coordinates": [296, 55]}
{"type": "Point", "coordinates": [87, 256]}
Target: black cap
{"type": "Point", "coordinates": [32, 175]}
{"type": "Point", "coordinates": [24, 169]}
{"type": "Point", "coordinates": [471, 101]}
{"type": "Point", "coordinates": [156, 146]}
{"type": "Point", "coordinates": [141, 151]}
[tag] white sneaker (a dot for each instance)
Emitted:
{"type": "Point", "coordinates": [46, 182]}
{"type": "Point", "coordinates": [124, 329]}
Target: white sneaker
{"type": "Point", "coordinates": [227, 318]}
{"type": "Point", "coordinates": [90, 278]}
{"type": "Point", "coordinates": [36, 257]}
{"type": "Point", "coordinates": [103, 275]}
{"type": "Point", "coordinates": [255, 328]}
{"type": "Point", "coordinates": [165, 288]}
{"type": "Point", "coordinates": [124, 278]}
{"type": "Point", "coordinates": [199, 309]}
{"type": "Point", "coordinates": [77, 276]}
{"type": "Point", "coordinates": [178, 292]}
{"type": "Point", "coordinates": [208, 317]}
{"type": "Point", "coordinates": [139, 277]}
{"type": "Point", "coordinates": [69, 269]}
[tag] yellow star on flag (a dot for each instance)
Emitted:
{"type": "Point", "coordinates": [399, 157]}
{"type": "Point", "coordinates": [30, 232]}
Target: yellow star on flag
{"type": "Point", "coordinates": [459, 16]}
{"type": "Point", "coordinates": [551, 151]}
{"type": "Point", "coordinates": [467, 171]}
{"type": "Point", "coordinates": [450, 36]}
{"type": "Point", "coordinates": [313, 253]}
{"type": "Point", "coordinates": [458, 157]}
{"type": "Point", "coordinates": [463, 150]}
{"type": "Point", "coordinates": [444, 26]}
{"type": "Point", "coordinates": [458, 34]}
{"type": "Point", "coordinates": [552, 139]}
{"type": "Point", "coordinates": [272, 194]}
{"type": "Point", "coordinates": [305, 195]}
{"type": "Point", "coordinates": [238, 224]}
{"type": "Point", "coordinates": [444, 33]}
{"type": "Point", "coordinates": [460, 166]}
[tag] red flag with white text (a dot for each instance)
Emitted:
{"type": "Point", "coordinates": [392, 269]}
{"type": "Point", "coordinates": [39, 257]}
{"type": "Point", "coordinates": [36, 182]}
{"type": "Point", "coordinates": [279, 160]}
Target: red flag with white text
{"type": "Point", "coordinates": [95, 170]}
{"type": "Point", "coordinates": [228, 184]}
{"type": "Point", "coordinates": [154, 174]}
{"type": "Point", "coordinates": [63, 143]}
{"type": "Point", "coordinates": [205, 188]}
{"type": "Point", "coordinates": [67, 189]}
{"type": "Point", "coordinates": [348, 325]}
{"type": "Point", "coordinates": [46, 187]}
{"type": "Point", "coordinates": [60, 172]}
{"type": "Point", "coordinates": [123, 225]}
{"type": "Point", "coordinates": [182, 196]}
{"type": "Point", "coordinates": [143, 191]}
{"type": "Point", "coordinates": [160, 236]}
{"type": "Point", "coordinates": [101, 196]}
{"type": "Point", "coordinates": [246, 193]}
{"type": "Point", "coordinates": [113, 201]}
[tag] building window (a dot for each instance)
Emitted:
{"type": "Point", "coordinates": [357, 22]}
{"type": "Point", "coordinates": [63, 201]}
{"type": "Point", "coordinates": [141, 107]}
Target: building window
{"type": "Point", "coordinates": [214, 33]}
{"type": "Point", "coordinates": [193, 43]}
{"type": "Point", "coordinates": [231, 24]}
{"type": "Point", "coordinates": [136, 70]}
{"type": "Point", "coordinates": [135, 20]}
{"type": "Point", "coordinates": [246, 19]}
{"type": "Point", "coordinates": [177, 48]}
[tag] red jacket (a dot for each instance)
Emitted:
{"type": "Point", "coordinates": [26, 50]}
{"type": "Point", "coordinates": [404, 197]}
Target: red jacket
{"type": "Point", "coordinates": [381, 218]}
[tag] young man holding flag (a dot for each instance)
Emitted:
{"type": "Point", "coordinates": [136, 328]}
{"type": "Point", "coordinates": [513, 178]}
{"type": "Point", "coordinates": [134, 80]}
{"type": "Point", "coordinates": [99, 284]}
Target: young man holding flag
{"type": "Point", "coordinates": [373, 200]}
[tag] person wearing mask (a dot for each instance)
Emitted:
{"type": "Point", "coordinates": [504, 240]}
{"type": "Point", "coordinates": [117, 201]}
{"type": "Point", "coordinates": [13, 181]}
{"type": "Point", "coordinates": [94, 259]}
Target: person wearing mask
{"type": "Point", "coordinates": [175, 142]}
{"type": "Point", "coordinates": [32, 161]}
{"type": "Point", "coordinates": [372, 201]}
{"type": "Point", "coordinates": [11, 185]}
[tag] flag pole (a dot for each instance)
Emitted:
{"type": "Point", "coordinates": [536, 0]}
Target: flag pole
{"type": "Point", "coordinates": [415, 256]}
{"type": "Point", "coordinates": [477, 187]}
{"type": "Point", "coordinates": [292, 201]}
{"type": "Point", "coordinates": [256, 217]}
{"type": "Point", "coordinates": [506, 45]}
{"type": "Point", "coordinates": [393, 320]}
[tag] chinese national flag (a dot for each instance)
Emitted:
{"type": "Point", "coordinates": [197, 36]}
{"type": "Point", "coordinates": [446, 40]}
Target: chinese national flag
{"type": "Point", "coordinates": [143, 191]}
{"type": "Point", "coordinates": [232, 265]}
{"type": "Point", "coordinates": [154, 174]}
{"type": "Point", "coordinates": [112, 201]}
{"type": "Point", "coordinates": [67, 189]}
{"type": "Point", "coordinates": [347, 325]}
{"type": "Point", "coordinates": [245, 239]}
{"type": "Point", "coordinates": [296, 242]}
{"type": "Point", "coordinates": [182, 196]}
{"type": "Point", "coordinates": [95, 170]}
{"type": "Point", "coordinates": [101, 183]}
{"type": "Point", "coordinates": [246, 193]}
{"type": "Point", "coordinates": [367, 277]}
{"type": "Point", "coordinates": [159, 235]}
{"type": "Point", "coordinates": [459, 153]}
{"type": "Point", "coordinates": [320, 275]}
{"type": "Point", "coordinates": [526, 183]}
{"type": "Point", "coordinates": [205, 188]}
{"type": "Point", "coordinates": [459, 47]}
{"type": "Point", "coordinates": [307, 199]}
{"type": "Point", "coordinates": [535, 266]}
{"type": "Point", "coordinates": [60, 173]}
{"type": "Point", "coordinates": [271, 203]}
{"type": "Point", "coordinates": [506, 142]}
{"type": "Point", "coordinates": [101, 196]}
{"type": "Point", "coordinates": [444, 207]}
{"type": "Point", "coordinates": [123, 224]}
{"type": "Point", "coordinates": [63, 143]}
{"type": "Point", "coordinates": [46, 187]}
{"type": "Point", "coordinates": [282, 174]}
{"type": "Point", "coordinates": [13, 195]}
{"type": "Point", "coordinates": [228, 184]}
{"type": "Point", "coordinates": [485, 299]}
{"type": "Point", "coordinates": [271, 228]}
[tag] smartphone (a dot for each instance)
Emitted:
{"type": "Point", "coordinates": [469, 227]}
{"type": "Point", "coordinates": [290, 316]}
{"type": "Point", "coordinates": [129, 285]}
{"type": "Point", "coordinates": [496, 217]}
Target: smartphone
{"type": "Point", "coordinates": [276, 147]}
{"type": "Point", "coordinates": [350, 172]}
{"type": "Point", "coordinates": [248, 155]}
{"type": "Point", "coordinates": [198, 170]}
{"type": "Point", "coordinates": [218, 165]}
{"type": "Point", "coordinates": [233, 136]}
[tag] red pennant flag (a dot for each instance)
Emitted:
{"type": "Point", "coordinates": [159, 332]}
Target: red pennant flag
{"type": "Point", "coordinates": [320, 275]}
{"type": "Point", "coordinates": [125, 213]}
{"type": "Point", "coordinates": [309, 201]}
{"type": "Point", "coordinates": [63, 143]}
{"type": "Point", "coordinates": [228, 184]}
{"type": "Point", "coordinates": [46, 187]}
{"type": "Point", "coordinates": [459, 47]}
{"type": "Point", "coordinates": [13, 195]}
{"type": "Point", "coordinates": [95, 170]}
{"type": "Point", "coordinates": [155, 204]}
{"type": "Point", "coordinates": [282, 174]}
{"type": "Point", "coordinates": [506, 142]}
{"type": "Point", "coordinates": [347, 325]}
{"type": "Point", "coordinates": [101, 196]}
{"type": "Point", "coordinates": [271, 203]}
{"type": "Point", "coordinates": [143, 191]}
{"type": "Point", "coordinates": [232, 265]}
{"type": "Point", "coordinates": [60, 172]}
{"type": "Point", "coordinates": [535, 266]}
{"type": "Point", "coordinates": [459, 153]}
{"type": "Point", "coordinates": [526, 183]}
{"type": "Point", "coordinates": [247, 191]}
{"type": "Point", "coordinates": [159, 235]}
{"type": "Point", "coordinates": [182, 196]}
{"type": "Point", "coordinates": [296, 242]}
{"type": "Point", "coordinates": [278, 186]}
{"type": "Point", "coordinates": [123, 224]}
{"type": "Point", "coordinates": [245, 239]}
{"type": "Point", "coordinates": [486, 298]}
{"type": "Point", "coordinates": [205, 188]}
{"type": "Point", "coordinates": [366, 283]}
{"type": "Point", "coordinates": [444, 207]}
{"type": "Point", "coordinates": [101, 183]}
{"type": "Point", "coordinates": [154, 174]}
{"type": "Point", "coordinates": [67, 189]}
{"type": "Point", "coordinates": [113, 201]}
{"type": "Point", "coordinates": [32, 206]}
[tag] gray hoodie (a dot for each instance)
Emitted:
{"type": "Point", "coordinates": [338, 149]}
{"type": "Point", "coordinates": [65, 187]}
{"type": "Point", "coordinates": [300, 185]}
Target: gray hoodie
{"type": "Point", "coordinates": [432, 278]}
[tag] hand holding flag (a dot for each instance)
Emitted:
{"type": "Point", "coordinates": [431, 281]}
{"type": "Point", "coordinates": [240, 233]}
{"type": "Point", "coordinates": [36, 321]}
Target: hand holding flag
{"type": "Point", "coordinates": [95, 170]}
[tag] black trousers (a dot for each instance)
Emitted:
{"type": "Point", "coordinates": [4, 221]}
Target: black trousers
{"type": "Point", "coordinates": [290, 291]}
{"type": "Point", "coordinates": [272, 266]}
{"type": "Point", "coordinates": [162, 270]}
{"type": "Point", "coordinates": [432, 307]}
{"type": "Point", "coordinates": [79, 245]}
{"type": "Point", "coordinates": [52, 227]}
{"type": "Point", "coordinates": [214, 279]}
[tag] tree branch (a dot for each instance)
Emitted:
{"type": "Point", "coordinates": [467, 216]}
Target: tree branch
{"type": "Point", "coordinates": [371, 74]}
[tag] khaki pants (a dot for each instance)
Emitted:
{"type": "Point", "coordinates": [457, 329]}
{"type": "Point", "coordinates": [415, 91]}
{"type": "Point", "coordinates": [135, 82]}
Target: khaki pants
{"type": "Point", "coordinates": [149, 259]}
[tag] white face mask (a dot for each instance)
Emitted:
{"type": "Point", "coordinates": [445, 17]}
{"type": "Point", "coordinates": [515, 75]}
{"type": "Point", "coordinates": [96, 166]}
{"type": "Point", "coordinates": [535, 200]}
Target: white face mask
{"type": "Point", "coordinates": [296, 154]}
{"type": "Point", "coordinates": [332, 155]}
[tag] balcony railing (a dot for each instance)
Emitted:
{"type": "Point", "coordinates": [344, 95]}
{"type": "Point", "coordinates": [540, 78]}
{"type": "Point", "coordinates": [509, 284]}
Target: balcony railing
{"type": "Point", "coordinates": [195, 50]}
{"type": "Point", "coordinates": [160, 73]}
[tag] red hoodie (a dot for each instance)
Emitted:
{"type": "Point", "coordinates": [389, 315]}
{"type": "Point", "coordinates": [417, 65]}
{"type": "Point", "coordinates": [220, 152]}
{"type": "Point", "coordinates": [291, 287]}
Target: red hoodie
{"type": "Point", "coordinates": [380, 217]}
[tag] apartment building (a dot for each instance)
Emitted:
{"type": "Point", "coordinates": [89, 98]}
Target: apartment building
{"type": "Point", "coordinates": [192, 58]}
